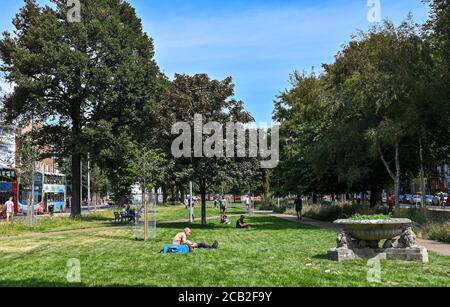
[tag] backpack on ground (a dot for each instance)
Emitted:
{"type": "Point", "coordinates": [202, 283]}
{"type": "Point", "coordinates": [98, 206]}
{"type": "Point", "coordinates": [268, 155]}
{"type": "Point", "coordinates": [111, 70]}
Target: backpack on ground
{"type": "Point", "coordinates": [176, 249]}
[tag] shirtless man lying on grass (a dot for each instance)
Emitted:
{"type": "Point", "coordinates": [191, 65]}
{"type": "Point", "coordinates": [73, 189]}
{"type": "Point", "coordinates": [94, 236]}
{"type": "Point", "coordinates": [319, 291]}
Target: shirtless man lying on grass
{"type": "Point", "coordinates": [182, 238]}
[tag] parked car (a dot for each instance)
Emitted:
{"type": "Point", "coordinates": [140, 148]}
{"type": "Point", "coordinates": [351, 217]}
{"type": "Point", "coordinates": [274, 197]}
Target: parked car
{"type": "Point", "coordinates": [401, 198]}
{"type": "Point", "coordinates": [429, 200]}
{"type": "Point", "coordinates": [416, 199]}
{"type": "Point", "coordinates": [384, 198]}
{"type": "Point", "coordinates": [408, 199]}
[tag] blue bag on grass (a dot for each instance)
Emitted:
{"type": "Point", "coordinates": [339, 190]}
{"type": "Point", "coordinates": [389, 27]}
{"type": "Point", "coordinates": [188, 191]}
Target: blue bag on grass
{"type": "Point", "coordinates": [176, 249]}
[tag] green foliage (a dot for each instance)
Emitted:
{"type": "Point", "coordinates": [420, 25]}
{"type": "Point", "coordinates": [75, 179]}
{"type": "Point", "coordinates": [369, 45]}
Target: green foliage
{"type": "Point", "coordinates": [73, 78]}
{"type": "Point", "coordinates": [377, 217]}
{"type": "Point", "coordinates": [436, 231]}
{"type": "Point", "coordinates": [147, 167]}
{"type": "Point", "coordinates": [331, 213]}
{"type": "Point", "coordinates": [28, 156]}
{"type": "Point", "coordinates": [199, 94]}
{"type": "Point", "coordinates": [423, 216]}
{"type": "Point", "coordinates": [362, 123]}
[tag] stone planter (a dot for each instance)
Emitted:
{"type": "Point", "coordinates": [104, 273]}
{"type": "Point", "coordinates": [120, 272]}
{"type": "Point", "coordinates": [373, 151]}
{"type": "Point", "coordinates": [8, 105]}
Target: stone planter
{"type": "Point", "coordinates": [375, 230]}
{"type": "Point", "coordinates": [361, 239]}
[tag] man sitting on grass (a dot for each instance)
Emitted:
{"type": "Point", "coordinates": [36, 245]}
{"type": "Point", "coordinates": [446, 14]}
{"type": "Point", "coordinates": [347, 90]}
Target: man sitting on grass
{"type": "Point", "coordinates": [224, 220]}
{"type": "Point", "coordinates": [240, 224]}
{"type": "Point", "coordinates": [182, 239]}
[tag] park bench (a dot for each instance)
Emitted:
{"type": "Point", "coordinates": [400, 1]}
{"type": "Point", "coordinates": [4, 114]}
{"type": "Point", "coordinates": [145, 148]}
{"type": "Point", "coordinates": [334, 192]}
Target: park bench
{"type": "Point", "coordinates": [118, 218]}
{"type": "Point", "coordinates": [125, 218]}
{"type": "Point", "coordinates": [121, 218]}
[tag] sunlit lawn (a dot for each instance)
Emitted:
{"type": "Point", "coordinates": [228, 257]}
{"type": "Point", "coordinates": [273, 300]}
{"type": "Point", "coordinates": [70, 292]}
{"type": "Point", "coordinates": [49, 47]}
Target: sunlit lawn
{"type": "Point", "coordinates": [274, 253]}
{"type": "Point", "coordinates": [168, 212]}
{"type": "Point", "coordinates": [100, 219]}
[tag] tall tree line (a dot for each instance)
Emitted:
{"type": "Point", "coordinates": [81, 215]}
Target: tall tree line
{"type": "Point", "coordinates": [94, 87]}
{"type": "Point", "coordinates": [377, 114]}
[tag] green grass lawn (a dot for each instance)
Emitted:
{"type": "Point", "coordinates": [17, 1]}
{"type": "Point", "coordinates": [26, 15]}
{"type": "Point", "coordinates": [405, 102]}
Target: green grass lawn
{"type": "Point", "coordinates": [274, 253]}
{"type": "Point", "coordinates": [53, 224]}
{"type": "Point", "coordinates": [170, 213]}
{"type": "Point", "coordinates": [102, 219]}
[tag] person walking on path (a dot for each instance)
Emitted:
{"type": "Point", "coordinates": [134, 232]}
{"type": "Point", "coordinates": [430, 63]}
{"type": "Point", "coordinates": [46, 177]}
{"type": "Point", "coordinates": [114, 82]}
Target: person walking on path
{"type": "Point", "coordinates": [9, 209]}
{"type": "Point", "coordinates": [299, 207]}
{"type": "Point", "coordinates": [223, 205]}
{"type": "Point", "coordinates": [248, 204]}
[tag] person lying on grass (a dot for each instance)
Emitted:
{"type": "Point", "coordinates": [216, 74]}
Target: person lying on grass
{"type": "Point", "coordinates": [240, 224]}
{"type": "Point", "coordinates": [182, 239]}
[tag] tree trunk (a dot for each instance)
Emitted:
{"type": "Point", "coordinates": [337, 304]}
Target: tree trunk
{"type": "Point", "coordinates": [76, 189]}
{"type": "Point", "coordinates": [145, 213]}
{"type": "Point", "coordinates": [172, 191]}
{"type": "Point", "coordinates": [203, 194]}
{"type": "Point", "coordinates": [375, 197]}
{"type": "Point", "coordinates": [182, 193]}
{"type": "Point", "coordinates": [395, 176]}
{"type": "Point", "coordinates": [164, 191]}
{"type": "Point", "coordinates": [422, 174]}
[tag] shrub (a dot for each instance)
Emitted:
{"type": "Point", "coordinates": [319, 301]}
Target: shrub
{"type": "Point", "coordinates": [379, 217]}
{"type": "Point", "coordinates": [281, 209]}
{"type": "Point", "coordinates": [423, 216]}
{"type": "Point", "coordinates": [330, 213]}
{"type": "Point", "coordinates": [436, 232]}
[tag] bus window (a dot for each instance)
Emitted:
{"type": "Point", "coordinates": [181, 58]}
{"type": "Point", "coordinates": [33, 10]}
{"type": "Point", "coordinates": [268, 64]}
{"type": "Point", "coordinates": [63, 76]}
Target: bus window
{"type": "Point", "coordinates": [52, 197]}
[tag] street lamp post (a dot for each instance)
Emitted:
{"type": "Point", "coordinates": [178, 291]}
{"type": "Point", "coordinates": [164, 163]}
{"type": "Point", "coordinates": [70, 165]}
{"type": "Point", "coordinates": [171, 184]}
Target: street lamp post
{"type": "Point", "coordinates": [145, 213]}
{"type": "Point", "coordinates": [89, 183]}
{"type": "Point", "coordinates": [31, 207]}
{"type": "Point", "coordinates": [190, 202]}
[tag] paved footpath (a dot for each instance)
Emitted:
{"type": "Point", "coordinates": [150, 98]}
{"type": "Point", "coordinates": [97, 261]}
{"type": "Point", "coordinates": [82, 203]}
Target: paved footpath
{"type": "Point", "coordinates": [434, 246]}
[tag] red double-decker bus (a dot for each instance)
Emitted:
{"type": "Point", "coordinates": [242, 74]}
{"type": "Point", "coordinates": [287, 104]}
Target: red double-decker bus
{"type": "Point", "coordinates": [8, 187]}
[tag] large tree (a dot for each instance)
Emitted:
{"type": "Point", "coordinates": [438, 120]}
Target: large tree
{"type": "Point", "coordinates": [211, 99]}
{"type": "Point", "coordinates": [368, 118]}
{"type": "Point", "coordinates": [379, 82]}
{"type": "Point", "coordinates": [438, 36]}
{"type": "Point", "coordinates": [72, 76]}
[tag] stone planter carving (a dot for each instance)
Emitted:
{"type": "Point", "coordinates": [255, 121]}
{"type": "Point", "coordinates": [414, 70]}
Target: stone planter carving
{"type": "Point", "coordinates": [361, 239]}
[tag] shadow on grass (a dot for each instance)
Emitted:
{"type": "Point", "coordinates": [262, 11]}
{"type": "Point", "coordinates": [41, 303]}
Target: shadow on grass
{"type": "Point", "coordinates": [320, 257]}
{"type": "Point", "coordinates": [259, 223]}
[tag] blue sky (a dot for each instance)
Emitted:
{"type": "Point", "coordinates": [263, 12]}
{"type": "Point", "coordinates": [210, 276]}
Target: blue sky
{"type": "Point", "coordinates": [257, 42]}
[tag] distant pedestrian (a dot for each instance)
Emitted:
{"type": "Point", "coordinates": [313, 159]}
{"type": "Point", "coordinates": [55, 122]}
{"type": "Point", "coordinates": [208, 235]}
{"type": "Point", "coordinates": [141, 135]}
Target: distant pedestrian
{"type": "Point", "coordinates": [248, 204]}
{"type": "Point", "coordinates": [391, 202]}
{"type": "Point", "coordinates": [223, 205]}
{"type": "Point", "coordinates": [435, 201]}
{"type": "Point", "coordinates": [131, 215]}
{"type": "Point", "coordinates": [10, 209]}
{"type": "Point", "coordinates": [442, 199]}
{"type": "Point", "coordinates": [299, 207]}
